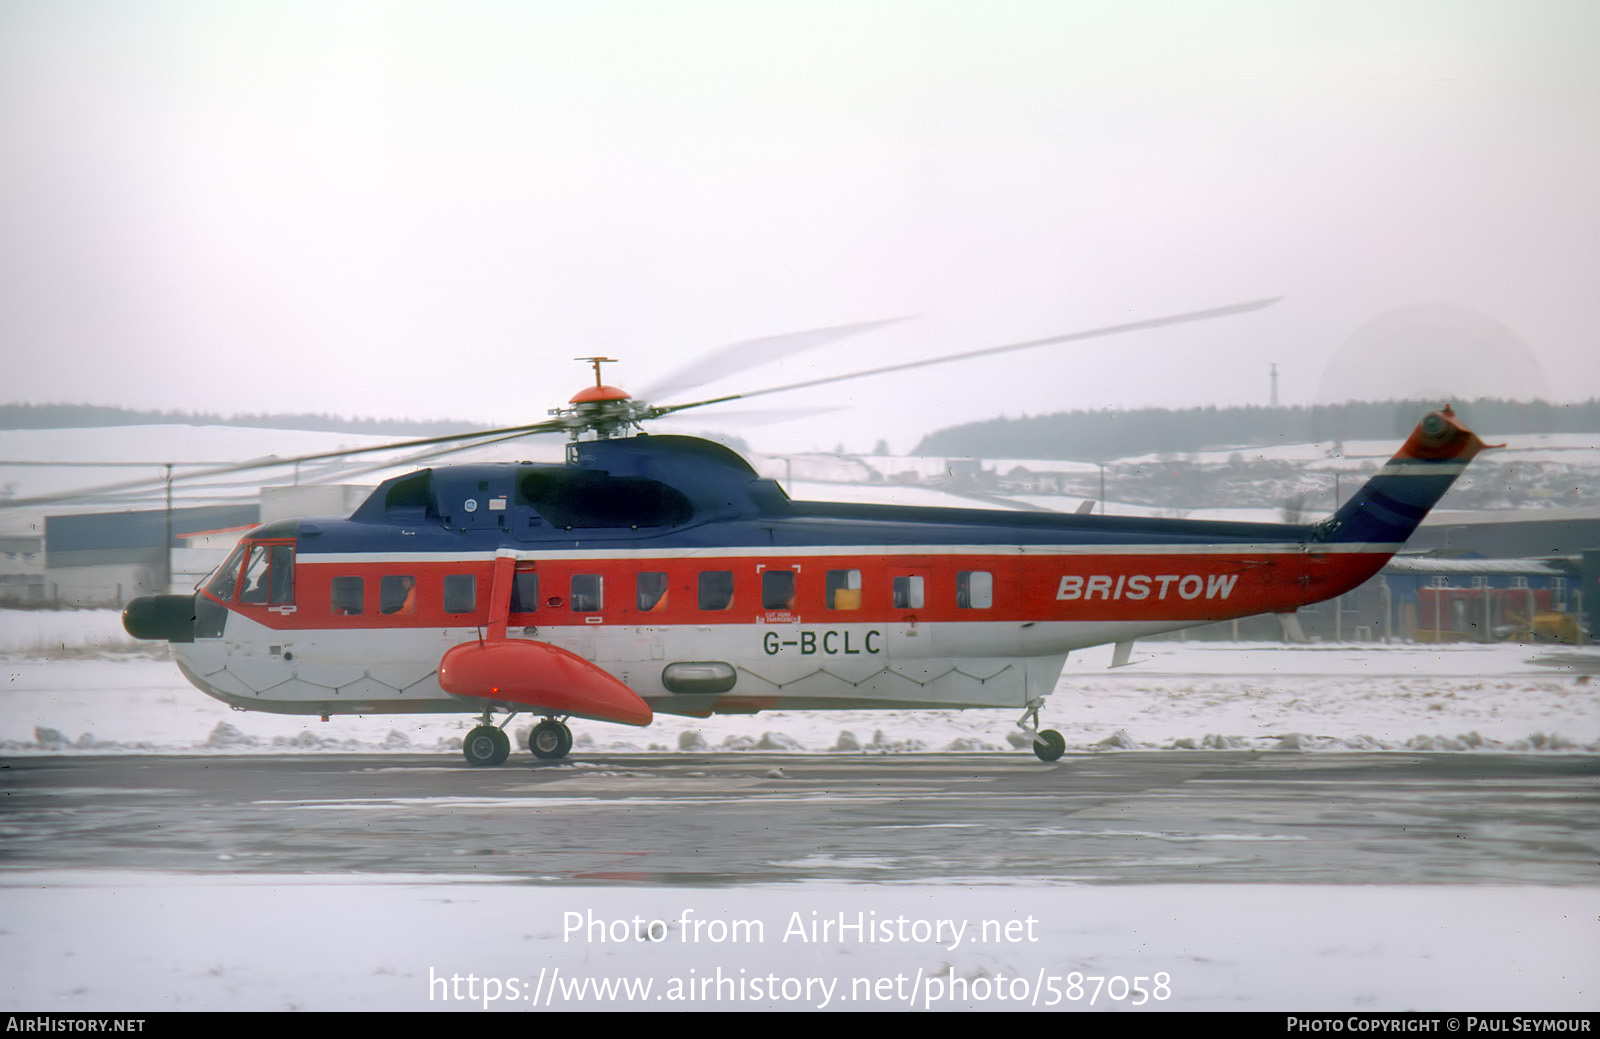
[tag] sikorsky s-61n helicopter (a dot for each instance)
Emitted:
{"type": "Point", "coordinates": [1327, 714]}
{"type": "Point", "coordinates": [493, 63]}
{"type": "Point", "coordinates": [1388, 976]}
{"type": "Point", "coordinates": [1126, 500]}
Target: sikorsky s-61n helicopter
{"type": "Point", "coordinates": [660, 574]}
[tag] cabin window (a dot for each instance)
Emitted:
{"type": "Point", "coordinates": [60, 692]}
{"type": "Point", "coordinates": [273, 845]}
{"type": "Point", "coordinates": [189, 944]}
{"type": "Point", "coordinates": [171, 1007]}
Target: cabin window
{"type": "Point", "coordinates": [777, 590]}
{"type": "Point", "coordinates": [843, 590]}
{"type": "Point", "coordinates": [347, 598]}
{"type": "Point", "coordinates": [1480, 582]}
{"type": "Point", "coordinates": [397, 594]}
{"type": "Point", "coordinates": [1438, 582]}
{"type": "Point", "coordinates": [716, 589]}
{"type": "Point", "coordinates": [460, 593]}
{"type": "Point", "coordinates": [587, 593]}
{"type": "Point", "coordinates": [908, 592]}
{"type": "Point", "coordinates": [974, 589]}
{"type": "Point", "coordinates": [524, 591]}
{"type": "Point", "coordinates": [1519, 583]}
{"type": "Point", "coordinates": [652, 590]}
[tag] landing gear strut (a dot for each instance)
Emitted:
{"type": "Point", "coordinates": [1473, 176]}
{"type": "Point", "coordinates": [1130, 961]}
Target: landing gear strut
{"type": "Point", "coordinates": [550, 740]}
{"type": "Point", "coordinates": [1048, 744]}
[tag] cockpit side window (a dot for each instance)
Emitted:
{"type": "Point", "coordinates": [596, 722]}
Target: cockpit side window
{"type": "Point", "coordinates": [269, 576]}
{"type": "Point", "coordinates": [280, 575]}
{"type": "Point", "coordinates": [255, 577]}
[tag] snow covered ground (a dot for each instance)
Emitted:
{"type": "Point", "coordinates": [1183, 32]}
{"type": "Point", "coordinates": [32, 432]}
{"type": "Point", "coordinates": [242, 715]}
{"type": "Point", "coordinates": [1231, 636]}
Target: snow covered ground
{"type": "Point", "coordinates": [130, 941]}
{"type": "Point", "coordinates": [75, 684]}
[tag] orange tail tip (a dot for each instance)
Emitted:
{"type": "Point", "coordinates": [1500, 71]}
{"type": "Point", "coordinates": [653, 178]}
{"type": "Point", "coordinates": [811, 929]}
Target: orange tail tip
{"type": "Point", "coordinates": [1439, 436]}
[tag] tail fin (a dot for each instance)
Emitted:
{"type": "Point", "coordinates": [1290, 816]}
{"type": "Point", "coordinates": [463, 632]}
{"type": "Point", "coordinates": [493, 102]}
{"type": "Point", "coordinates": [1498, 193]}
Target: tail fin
{"type": "Point", "coordinates": [1390, 506]}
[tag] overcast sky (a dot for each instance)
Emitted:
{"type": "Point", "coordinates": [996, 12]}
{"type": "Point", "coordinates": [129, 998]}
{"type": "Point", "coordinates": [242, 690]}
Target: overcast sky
{"type": "Point", "coordinates": [427, 210]}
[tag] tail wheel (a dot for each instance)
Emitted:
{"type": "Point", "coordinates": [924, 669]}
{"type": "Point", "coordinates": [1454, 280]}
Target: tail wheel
{"type": "Point", "coordinates": [486, 745]}
{"type": "Point", "coordinates": [1049, 745]}
{"type": "Point", "coordinates": [550, 740]}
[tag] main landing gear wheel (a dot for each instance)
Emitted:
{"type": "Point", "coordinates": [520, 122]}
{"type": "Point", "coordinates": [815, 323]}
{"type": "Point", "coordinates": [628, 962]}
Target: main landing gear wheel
{"type": "Point", "coordinates": [1049, 745]}
{"type": "Point", "coordinates": [550, 740]}
{"type": "Point", "coordinates": [486, 745]}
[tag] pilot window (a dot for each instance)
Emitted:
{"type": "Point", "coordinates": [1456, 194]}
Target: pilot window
{"type": "Point", "coordinates": [255, 577]}
{"type": "Point", "coordinates": [460, 593]}
{"type": "Point", "coordinates": [587, 592]}
{"type": "Point", "coordinates": [397, 594]}
{"type": "Point", "coordinates": [843, 590]}
{"type": "Point", "coordinates": [347, 598]}
{"type": "Point", "coordinates": [716, 589]}
{"type": "Point", "coordinates": [524, 591]}
{"type": "Point", "coordinates": [269, 575]}
{"type": "Point", "coordinates": [974, 589]}
{"type": "Point", "coordinates": [908, 592]}
{"type": "Point", "coordinates": [652, 590]}
{"type": "Point", "coordinates": [777, 589]}
{"type": "Point", "coordinates": [281, 575]}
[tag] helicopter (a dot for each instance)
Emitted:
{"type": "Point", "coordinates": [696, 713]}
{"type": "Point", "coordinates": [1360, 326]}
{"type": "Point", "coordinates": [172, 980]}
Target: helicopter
{"type": "Point", "coordinates": [660, 574]}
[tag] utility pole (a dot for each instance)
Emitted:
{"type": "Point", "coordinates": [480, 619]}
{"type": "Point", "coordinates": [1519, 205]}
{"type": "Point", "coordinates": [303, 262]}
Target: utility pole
{"type": "Point", "coordinates": [166, 548]}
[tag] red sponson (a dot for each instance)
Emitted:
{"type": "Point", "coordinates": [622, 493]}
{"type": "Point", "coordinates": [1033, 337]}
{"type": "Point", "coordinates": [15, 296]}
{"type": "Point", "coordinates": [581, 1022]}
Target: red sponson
{"type": "Point", "coordinates": [540, 675]}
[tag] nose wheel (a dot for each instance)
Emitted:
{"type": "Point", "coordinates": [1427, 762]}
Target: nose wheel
{"type": "Point", "coordinates": [1048, 744]}
{"type": "Point", "coordinates": [550, 740]}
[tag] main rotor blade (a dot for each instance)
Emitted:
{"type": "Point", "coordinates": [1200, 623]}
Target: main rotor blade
{"type": "Point", "coordinates": [736, 357]}
{"type": "Point", "coordinates": [1070, 337]}
{"type": "Point", "coordinates": [487, 435]}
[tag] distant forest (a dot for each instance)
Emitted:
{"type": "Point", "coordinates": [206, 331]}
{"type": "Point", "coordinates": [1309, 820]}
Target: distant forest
{"type": "Point", "coordinates": [1097, 435]}
{"type": "Point", "coordinates": [75, 416]}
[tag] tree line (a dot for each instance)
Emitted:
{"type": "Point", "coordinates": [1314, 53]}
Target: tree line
{"type": "Point", "coordinates": [1097, 435]}
{"type": "Point", "coordinates": [75, 416]}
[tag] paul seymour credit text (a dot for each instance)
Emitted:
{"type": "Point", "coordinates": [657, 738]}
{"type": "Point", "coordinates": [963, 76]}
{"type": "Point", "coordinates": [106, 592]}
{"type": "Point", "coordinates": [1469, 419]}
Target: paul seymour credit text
{"type": "Point", "coordinates": [556, 986]}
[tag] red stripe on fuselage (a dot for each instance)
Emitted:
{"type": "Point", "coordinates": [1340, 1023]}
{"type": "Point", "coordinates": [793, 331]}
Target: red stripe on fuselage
{"type": "Point", "coordinates": [1125, 586]}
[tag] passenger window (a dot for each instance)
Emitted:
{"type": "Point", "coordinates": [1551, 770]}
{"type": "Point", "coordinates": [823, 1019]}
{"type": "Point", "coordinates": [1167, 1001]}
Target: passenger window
{"type": "Point", "coordinates": [974, 589]}
{"type": "Point", "coordinates": [587, 593]}
{"type": "Point", "coordinates": [397, 595]}
{"type": "Point", "coordinates": [460, 593]}
{"type": "Point", "coordinates": [716, 589]}
{"type": "Point", "coordinates": [524, 591]}
{"type": "Point", "coordinates": [777, 590]}
{"type": "Point", "coordinates": [347, 599]}
{"type": "Point", "coordinates": [843, 590]}
{"type": "Point", "coordinates": [652, 590]}
{"type": "Point", "coordinates": [908, 592]}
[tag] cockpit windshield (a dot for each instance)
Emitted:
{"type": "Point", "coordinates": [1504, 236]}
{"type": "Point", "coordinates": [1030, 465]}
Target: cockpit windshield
{"type": "Point", "coordinates": [222, 580]}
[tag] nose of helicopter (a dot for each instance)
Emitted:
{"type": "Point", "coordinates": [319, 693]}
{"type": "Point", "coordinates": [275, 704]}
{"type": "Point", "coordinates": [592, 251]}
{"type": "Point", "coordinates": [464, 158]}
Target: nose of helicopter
{"type": "Point", "coordinates": [169, 617]}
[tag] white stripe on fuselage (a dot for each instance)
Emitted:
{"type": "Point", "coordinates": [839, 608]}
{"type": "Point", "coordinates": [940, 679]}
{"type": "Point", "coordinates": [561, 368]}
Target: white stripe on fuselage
{"type": "Point", "coordinates": [646, 551]}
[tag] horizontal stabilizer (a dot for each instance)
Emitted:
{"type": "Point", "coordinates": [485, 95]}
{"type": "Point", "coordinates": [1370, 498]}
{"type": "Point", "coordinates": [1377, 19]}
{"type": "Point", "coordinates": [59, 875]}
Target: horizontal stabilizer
{"type": "Point", "coordinates": [537, 674]}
